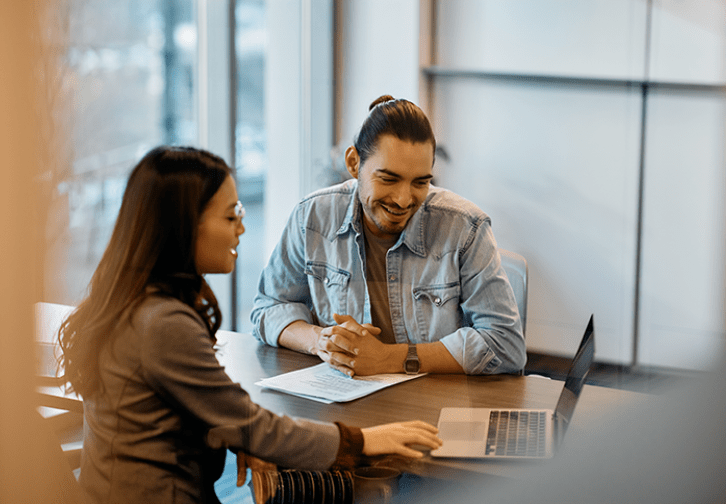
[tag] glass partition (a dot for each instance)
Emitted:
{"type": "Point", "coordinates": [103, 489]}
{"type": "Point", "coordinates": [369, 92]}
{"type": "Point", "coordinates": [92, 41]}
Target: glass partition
{"type": "Point", "coordinates": [128, 79]}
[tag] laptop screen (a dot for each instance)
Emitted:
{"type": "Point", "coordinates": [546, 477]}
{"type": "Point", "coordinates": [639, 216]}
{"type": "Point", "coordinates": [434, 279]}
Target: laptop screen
{"type": "Point", "coordinates": [575, 379]}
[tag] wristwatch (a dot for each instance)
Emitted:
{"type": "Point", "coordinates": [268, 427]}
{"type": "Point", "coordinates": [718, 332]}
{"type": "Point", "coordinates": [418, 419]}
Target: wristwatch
{"type": "Point", "coordinates": [412, 365]}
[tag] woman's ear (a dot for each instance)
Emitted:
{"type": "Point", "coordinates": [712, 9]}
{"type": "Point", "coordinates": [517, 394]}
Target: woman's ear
{"type": "Point", "coordinates": [352, 161]}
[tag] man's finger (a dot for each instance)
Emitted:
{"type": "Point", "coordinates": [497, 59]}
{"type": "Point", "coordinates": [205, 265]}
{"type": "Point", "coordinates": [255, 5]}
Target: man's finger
{"type": "Point", "coordinates": [343, 369]}
{"type": "Point", "coordinates": [336, 343]}
{"type": "Point", "coordinates": [337, 361]}
{"type": "Point", "coordinates": [325, 356]}
{"type": "Point", "coordinates": [342, 359]}
{"type": "Point", "coordinates": [342, 319]}
{"type": "Point", "coordinates": [338, 339]}
{"type": "Point", "coordinates": [349, 323]}
{"type": "Point", "coordinates": [372, 329]}
{"type": "Point", "coordinates": [339, 330]}
{"type": "Point", "coordinates": [343, 344]}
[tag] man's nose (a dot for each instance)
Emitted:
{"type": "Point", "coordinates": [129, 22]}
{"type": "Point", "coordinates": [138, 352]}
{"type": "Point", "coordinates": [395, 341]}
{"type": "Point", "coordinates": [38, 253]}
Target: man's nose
{"type": "Point", "coordinates": [403, 197]}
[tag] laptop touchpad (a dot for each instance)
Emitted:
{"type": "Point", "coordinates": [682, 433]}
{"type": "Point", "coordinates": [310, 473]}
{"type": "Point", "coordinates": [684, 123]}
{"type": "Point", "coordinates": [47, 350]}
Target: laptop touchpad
{"type": "Point", "coordinates": [463, 431]}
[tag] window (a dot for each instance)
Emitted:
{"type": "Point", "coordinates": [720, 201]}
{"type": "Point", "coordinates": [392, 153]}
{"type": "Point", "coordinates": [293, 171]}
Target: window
{"type": "Point", "coordinates": [128, 78]}
{"type": "Point", "coordinates": [250, 149]}
{"type": "Point", "coordinates": [141, 73]}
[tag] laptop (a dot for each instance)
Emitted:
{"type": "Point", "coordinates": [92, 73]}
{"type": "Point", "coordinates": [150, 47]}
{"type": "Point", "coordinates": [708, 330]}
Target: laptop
{"type": "Point", "coordinates": [516, 433]}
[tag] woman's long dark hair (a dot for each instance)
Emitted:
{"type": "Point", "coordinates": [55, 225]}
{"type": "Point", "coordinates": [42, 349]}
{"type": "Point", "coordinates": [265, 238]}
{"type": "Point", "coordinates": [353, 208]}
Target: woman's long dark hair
{"type": "Point", "coordinates": [152, 245]}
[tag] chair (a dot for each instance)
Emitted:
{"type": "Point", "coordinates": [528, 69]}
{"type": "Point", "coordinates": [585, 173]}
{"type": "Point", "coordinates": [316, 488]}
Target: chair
{"type": "Point", "coordinates": [62, 414]}
{"type": "Point", "coordinates": [60, 431]}
{"type": "Point", "coordinates": [516, 268]}
{"type": "Point", "coordinates": [58, 465]}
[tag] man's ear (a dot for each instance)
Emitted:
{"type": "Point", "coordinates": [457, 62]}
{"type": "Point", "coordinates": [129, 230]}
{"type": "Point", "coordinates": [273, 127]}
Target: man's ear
{"type": "Point", "coordinates": [352, 161]}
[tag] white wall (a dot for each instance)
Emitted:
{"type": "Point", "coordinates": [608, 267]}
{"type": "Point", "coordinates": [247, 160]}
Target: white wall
{"type": "Point", "coordinates": [560, 189]}
{"type": "Point", "coordinates": [581, 38]}
{"type": "Point", "coordinates": [682, 320]}
{"type": "Point", "coordinates": [687, 41]}
{"type": "Point", "coordinates": [557, 165]}
{"type": "Point", "coordinates": [379, 41]}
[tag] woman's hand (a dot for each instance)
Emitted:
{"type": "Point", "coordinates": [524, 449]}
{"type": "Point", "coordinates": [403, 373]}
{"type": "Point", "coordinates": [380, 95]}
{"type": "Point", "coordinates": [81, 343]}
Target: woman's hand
{"type": "Point", "coordinates": [396, 438]}
{"type": "Point", "coordinates": [244, 461]}
{"type": "Point", "coordinates": [228, 436]}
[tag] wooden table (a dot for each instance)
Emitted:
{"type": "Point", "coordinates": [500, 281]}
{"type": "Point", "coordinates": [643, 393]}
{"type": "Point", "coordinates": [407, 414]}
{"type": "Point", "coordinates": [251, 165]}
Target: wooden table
{"type": "Point", "coordinates": [247, 360]}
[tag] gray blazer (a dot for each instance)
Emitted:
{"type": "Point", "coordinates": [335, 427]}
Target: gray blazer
{"type": "Point", "coordinates": [144, 436]}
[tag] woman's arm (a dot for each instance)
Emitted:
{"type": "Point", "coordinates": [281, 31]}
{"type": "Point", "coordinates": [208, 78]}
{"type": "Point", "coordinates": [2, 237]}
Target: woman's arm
{"type": "Point", "coordinates": [179, 362]}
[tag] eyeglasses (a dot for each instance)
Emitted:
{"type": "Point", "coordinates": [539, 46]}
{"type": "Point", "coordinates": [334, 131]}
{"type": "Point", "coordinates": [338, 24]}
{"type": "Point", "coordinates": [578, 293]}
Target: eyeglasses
{"type": "Point", "coordinates": [239, 210]}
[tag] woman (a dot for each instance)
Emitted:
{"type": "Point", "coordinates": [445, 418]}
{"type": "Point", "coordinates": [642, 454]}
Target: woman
{"type": "Point", "coordinates": [140, 350]}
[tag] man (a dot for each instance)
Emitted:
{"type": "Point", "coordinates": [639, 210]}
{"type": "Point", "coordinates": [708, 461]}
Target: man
{"type": "Point", "coordinates": [386, 273]}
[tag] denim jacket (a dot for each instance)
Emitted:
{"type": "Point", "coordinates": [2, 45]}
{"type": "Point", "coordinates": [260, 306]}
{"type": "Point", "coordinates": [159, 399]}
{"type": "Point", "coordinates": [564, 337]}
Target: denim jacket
{"type": "Point", "coordinates": [445, 279]}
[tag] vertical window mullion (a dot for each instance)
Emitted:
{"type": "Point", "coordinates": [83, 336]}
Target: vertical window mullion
{"type": "Point", "coordinates": [215, 112]}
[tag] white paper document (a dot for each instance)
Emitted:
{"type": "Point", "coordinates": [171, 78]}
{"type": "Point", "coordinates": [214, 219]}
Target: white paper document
{"type": "Point", "coordinates": [324, 384]}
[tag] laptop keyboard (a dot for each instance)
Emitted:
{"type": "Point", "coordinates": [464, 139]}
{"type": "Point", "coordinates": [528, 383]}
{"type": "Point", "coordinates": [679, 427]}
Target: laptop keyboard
{"type": "Point", "coordinates": [516, 433]}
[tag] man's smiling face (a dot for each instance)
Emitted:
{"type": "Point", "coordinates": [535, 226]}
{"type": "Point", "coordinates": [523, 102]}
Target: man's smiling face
{"type": "Point", "coordinates": [392, 183]}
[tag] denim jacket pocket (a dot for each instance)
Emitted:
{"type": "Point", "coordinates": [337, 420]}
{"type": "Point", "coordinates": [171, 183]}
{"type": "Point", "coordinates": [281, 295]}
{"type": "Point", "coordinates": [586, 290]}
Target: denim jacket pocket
{"type": "Point", "coordinates": [329, 290]}
{"type": "Point", "coordinates": [437, 306]}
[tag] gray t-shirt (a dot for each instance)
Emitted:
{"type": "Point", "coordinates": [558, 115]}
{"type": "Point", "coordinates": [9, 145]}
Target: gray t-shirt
{"type": "Point", "coordinates": [377, 280]}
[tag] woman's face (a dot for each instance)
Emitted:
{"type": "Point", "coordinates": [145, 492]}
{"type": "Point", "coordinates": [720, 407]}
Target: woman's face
{"type": "Point", "coordinates": [219, 230]}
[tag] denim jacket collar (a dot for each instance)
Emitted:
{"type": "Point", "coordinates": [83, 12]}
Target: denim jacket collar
{"type": "Point", "coordinates": [413, 236]}
{"type": "Point", "coordinates": [352, 216]}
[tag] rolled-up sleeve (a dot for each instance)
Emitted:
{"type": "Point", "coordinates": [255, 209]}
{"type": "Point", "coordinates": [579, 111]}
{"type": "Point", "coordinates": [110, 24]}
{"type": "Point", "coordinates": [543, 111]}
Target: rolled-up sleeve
{"type": "Point", "coordinates": [283, 295]}
{"type": "Point", "coordinates": [490, 339]}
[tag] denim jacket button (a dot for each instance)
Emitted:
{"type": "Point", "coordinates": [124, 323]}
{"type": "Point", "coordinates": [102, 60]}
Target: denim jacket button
{"type": "Point", "coordinates": [437, 300]}
{"type": "Point", "coordinates": [326, 281]}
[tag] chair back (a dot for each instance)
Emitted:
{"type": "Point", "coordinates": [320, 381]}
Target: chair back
{"type": "Point", "coordinates": [62, 413]}
{"type": "Point", "coordinates": [516, 268]}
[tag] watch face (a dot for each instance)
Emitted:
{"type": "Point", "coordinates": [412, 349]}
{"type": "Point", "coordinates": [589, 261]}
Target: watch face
{"type": "Point", "coordinates": [412, 366]}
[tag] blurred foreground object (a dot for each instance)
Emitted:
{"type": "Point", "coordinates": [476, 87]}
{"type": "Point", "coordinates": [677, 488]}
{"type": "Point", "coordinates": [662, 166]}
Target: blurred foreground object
{"type": "Point", "coordinates": [29, 469]}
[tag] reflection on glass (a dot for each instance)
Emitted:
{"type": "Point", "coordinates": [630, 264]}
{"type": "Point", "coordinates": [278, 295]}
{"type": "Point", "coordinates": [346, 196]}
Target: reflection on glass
{"type": "Point", "coordinates": [128, 73]}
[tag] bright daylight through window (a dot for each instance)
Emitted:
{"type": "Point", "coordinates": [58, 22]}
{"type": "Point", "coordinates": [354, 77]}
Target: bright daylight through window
{"type": "Point", "coordinates": [129, 81]}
